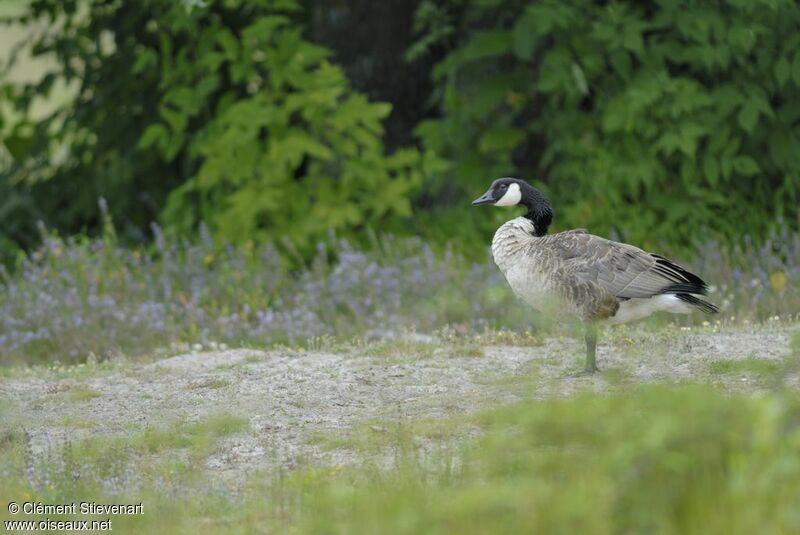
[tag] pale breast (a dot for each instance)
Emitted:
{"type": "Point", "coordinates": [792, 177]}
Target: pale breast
{"type": "Point", "coordinates": [510, 241]}
{"type": "Point", "coordinates": [515, 253]}
{"type": "Point", "coordinates": [531, 286]}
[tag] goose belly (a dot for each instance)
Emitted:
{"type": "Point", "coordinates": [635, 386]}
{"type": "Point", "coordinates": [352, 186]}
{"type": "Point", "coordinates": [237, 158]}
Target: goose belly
{"type": "Point", "coordinates": [532, 287]}
{"type": "Point", "coordinates": [636, 309]}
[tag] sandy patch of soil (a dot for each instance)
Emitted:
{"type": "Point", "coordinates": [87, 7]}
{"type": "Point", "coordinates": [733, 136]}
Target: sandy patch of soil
{"type": "Point", "coordinates": [288, 397]}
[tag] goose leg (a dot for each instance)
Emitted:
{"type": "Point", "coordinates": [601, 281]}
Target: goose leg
{"type": "Point", "coordinates": [591, 348]}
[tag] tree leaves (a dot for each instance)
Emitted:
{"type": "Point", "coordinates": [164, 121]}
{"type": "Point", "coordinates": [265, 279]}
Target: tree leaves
{"type": "Point", "coordinates": [635, 117]}
{"type": "Point", "coordinates": [500, 139]}
{"type": "Point", "coordinates": [226, 114]}
{"type": "Point", "coordinates": [748, 116]}
{"type": "Point", "coordinates": [300, 157]}
{"type": "Point", "coordinates": [486, 44]}
{"type": "Point", "coordinates": [745, 165]}
{"type": "Point", "coordinates": [796, 69]}
{"type": "Point", "coordinates": [629, 108]}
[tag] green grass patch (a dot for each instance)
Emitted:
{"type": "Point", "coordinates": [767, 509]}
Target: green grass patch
{"type": "Point", "coordinates": [402, 349]}
{"type": "Point", "coordinates": [55, 371]}
{"type": "Point", "coordinates": [521, 380]}
{"type": "Point", "coordinates": [254, 359]}
{"type": "Point", "coordinates": [198, 437]}
{"type": "Point", "coordinates": [81, 393]}
{"type": "Point", "coordinates": [9, 438]}
{"type": "Point", "coordinates": [655, 460]}
{"type": "Point", "coordinates": [511, 338]}
{"type": "Point", "coordinates": [70, 422]}
{"type": "Point", "coordinates": [794, 345]}
{"type": "Point", "coordinates": [747, 365]}
{"type": "Point", "coordinates": [390, 436]}
{"type": "Point", "coordinates": [776, 369]}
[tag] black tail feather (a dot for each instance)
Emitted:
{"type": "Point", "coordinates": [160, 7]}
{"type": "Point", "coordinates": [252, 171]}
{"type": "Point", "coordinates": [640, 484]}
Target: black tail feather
{"type": "Point", "coordinates": [685, 288]}
{"type": "Point", "coordinates": [685, 280]}
{"type": "Point", "coordinates": [705, 306]}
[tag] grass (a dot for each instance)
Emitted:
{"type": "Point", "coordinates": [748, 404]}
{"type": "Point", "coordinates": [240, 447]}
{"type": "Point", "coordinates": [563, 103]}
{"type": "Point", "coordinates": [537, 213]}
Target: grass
{"type": "Point", "coordinates": [794, 345]}
{"type": "Point", "coordinates": [81, 393]}
{"type": "Point", "coordinates": [253, 359]}
{"type": "Point", "coordinates": [407, 350]}
{"type": "Point", "coordinates": [747, 365]}
{"type": "Point", "coordinates": [403, 349]}
{"type": "Point", "coordinates": [70, 422]}
{"type": "Point", "coordinates": [75, 298]}
{"type": "Point", "coordinates": [505, 337]}
{"type": "Point", "coordinates": [78, 299]}
{"type": "Point", "coordinates": [198, 437]}
{"type": "Point", "coordinates": [60, 370]}
{"type": "Point", "coordinates": [658, 459]}
{"type": "Point", "coordinates": [210, 383]}
{"type": "Point", "coordinates": [775, 371]}
{"type": "Point", "coordinates": [390, 437]}
{"type": "Point", "coordinates": [94, 465]}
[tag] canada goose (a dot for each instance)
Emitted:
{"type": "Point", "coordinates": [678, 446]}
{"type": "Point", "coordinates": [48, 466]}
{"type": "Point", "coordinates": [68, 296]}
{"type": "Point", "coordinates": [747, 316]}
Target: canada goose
{"type": "Point", "coordinates": [587, 276]}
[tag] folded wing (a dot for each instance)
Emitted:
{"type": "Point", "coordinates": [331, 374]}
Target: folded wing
{"type": "Point", "coordinates": [623, 270]}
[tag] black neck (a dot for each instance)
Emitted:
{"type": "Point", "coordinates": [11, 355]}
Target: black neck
{"type": "Point", "coordinates": [539, 210]}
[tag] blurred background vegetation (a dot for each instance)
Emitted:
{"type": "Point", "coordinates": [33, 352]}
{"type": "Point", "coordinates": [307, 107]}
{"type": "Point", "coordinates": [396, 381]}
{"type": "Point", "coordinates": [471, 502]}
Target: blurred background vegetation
{"type": "Point", "coordinates": [665, 123]}
{"type": "Point", "coordinates": [283, 169]}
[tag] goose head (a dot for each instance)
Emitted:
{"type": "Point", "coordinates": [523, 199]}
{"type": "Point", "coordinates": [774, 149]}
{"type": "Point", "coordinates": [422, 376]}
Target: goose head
{"type": "Point", "coordinates": [513, 191]}
{"type": "Point", "coordinates": [502, 192]}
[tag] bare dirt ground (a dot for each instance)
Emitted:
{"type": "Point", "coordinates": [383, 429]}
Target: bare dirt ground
{"type": "Point", "coordinates": [290, 397]}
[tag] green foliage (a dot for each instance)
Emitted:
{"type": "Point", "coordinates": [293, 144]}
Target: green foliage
{"type": "Point", "coordinates": [748, 365]}
{"type": "Point", "coordinates": [655, 120]}
{"type": "Point", "coordinates": [651, 121]}
{"type": "Point", "coordinates": [186, 111]}
{"type": "Point", "coordinates": [300, 155]}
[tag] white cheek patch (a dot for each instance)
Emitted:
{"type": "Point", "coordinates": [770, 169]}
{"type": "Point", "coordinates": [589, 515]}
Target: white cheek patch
{"type": "Point", "coordinates": [512, 196]}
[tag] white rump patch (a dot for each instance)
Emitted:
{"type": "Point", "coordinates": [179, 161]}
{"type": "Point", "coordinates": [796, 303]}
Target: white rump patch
{"type": "Point", "coordinates": [636, 309]}
{"type": "Point", "coordinates": [512, 196]}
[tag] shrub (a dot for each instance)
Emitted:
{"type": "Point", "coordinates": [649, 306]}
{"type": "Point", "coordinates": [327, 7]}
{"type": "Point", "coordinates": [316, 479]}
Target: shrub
{"type": "Point", "coordinates": [654, 121]}
{"type": "Point", "coordinates": [222, 112]}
